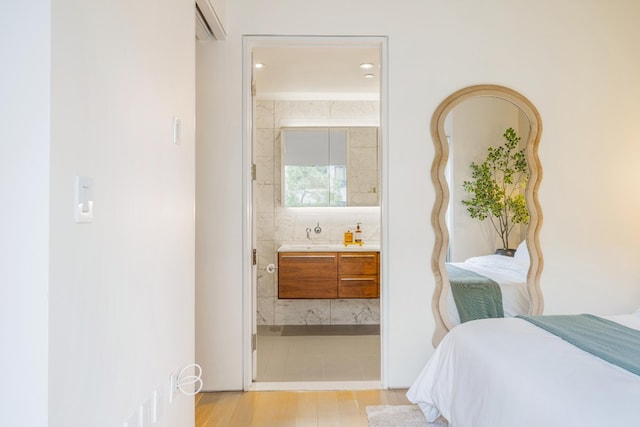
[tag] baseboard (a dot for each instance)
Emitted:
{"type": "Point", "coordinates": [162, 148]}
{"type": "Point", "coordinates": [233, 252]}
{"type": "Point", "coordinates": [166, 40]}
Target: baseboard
{"type": "Point", "coordinates": [315, 385]}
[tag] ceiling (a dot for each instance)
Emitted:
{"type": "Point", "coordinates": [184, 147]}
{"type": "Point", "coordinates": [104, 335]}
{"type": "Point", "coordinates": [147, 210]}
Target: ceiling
{"type": "Point", "coordinates": [310, 72]}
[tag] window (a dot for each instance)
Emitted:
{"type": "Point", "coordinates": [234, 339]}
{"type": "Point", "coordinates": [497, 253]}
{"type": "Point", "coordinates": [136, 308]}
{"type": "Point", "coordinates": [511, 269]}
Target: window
{"type": "Point", "coordinates": [314, 167]}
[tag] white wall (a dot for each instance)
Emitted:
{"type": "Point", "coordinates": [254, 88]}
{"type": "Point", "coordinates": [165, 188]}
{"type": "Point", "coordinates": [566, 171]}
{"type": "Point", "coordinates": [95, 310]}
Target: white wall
{"type": "Point", "coordinates": [576, 62]}
{"type": "Point", "coordinates": [121, 288]}
{"type": "Point", "coordinates": [218, 219]}
{"type": "Point", "coordinates": [24, 211]}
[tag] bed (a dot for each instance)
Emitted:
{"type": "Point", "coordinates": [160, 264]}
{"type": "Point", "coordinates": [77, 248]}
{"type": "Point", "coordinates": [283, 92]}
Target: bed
{"type": "Point", "coordinates": [508, 372]}
{"type": "Point", "coordinates": [510, 275]}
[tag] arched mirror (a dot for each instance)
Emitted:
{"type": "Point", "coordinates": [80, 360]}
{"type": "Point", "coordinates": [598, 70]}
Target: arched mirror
{"type": "Point", "coordinates": [487, 259]}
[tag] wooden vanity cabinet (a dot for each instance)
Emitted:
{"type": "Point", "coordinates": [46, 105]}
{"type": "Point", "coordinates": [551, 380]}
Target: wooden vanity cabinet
{"type": "Point", "coordinates": [307, 275]}
{"type": "Point", "coordinates": [358, 275]}
{"type": "Point", "coordinates": [328, 275]}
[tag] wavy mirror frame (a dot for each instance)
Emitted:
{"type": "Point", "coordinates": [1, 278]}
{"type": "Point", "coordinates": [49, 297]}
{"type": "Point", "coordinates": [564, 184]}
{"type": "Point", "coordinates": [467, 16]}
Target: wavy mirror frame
{"type": "Point", "coordinates": [439, 301]}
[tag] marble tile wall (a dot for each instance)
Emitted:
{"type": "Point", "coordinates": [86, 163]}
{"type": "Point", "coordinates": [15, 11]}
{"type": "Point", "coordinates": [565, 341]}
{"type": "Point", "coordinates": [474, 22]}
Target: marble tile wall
{"type": "Point", "coordinates": [362, 170]}
{"type": "Point", "coordinates": [277, 226]}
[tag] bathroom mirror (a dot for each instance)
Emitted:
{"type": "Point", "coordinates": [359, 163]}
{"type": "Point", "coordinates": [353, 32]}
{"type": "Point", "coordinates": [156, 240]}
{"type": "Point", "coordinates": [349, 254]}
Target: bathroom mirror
{"type": "Point", "coordinates": [464, 118]}
{"type": "Point", "coordinates": [330, 166]}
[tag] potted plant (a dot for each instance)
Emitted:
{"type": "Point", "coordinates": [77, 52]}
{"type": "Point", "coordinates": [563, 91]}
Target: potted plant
{"type": "Point", "coordinates": [497, 186]}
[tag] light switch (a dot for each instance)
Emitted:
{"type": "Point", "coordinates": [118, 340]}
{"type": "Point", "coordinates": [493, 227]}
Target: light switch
{"type": "Point", "coordinates": [83, 199]}
{"type": "Point", "coordinates": [177, 130]}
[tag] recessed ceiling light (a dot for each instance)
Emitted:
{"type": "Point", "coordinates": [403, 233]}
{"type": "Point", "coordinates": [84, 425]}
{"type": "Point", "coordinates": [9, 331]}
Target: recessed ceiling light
{"type": "Point", "coordinates": [259, 65]}
{"type": "Point", "coordinates": [366, 65]}
{"type": "Point", "coordinates": [368, 76]}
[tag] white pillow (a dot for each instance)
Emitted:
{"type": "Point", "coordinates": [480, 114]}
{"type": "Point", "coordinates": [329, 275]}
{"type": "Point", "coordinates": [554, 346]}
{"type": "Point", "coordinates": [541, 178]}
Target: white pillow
{"type": "Point", "coordinates": [495, 261]}
{"type": "Point", "coordinates": [522, 254]}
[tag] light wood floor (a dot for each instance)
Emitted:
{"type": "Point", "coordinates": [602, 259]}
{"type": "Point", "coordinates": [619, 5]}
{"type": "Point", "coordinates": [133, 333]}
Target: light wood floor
{"type": "Point", "coordinates": [291, 408]}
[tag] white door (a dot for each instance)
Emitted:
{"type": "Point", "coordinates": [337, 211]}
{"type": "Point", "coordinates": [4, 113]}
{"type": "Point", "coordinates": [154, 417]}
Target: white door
{"type": "Point", "coordinates": [254, 267]}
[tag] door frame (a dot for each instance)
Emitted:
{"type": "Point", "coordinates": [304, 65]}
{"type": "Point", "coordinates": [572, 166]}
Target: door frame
{"type": "Point", "coordinates": [249, 42]}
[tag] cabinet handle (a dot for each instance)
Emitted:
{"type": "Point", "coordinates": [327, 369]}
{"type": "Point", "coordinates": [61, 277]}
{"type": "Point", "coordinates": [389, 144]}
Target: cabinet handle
{"type": "Point", "coordinates": [307, 256]}
{"type": "Point", "coordinates": [362, 279]}
{"type": "Point", "coordinates": [357, 256]}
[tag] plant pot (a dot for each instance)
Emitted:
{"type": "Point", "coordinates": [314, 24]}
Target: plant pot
{"type": "Point", "coordinates": [506, 252]}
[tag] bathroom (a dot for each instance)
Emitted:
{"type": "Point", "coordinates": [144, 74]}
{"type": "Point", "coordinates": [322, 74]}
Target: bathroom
{"type": "Point", "coordinates": [278, 225]}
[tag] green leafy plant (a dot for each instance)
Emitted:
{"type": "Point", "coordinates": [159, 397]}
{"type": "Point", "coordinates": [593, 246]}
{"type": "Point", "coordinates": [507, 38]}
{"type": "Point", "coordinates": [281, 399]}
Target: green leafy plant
{"type": "Point", "coordinates": [316, 186]}
{"type": "Point", "coordinates": [497, 185]}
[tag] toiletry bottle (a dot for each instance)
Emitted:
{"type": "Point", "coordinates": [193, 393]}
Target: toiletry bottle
{"type": "Point", "coordinates": [348, 237]}
{"type": "Point", "coordinates": [357, 235]}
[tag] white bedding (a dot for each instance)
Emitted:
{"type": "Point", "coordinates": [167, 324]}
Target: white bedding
{"type": "Point", "coordinates": [511, 276]}
{"type": "Point", "coordinates": [509, 373]}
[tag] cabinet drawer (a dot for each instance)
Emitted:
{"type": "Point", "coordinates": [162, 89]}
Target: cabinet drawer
{"type": "Point", "coordinates": [307, 275]}
{"type": "Point", "coordinates": [358, 263]}
{"type": "Point", "coordinates": [358, 287]}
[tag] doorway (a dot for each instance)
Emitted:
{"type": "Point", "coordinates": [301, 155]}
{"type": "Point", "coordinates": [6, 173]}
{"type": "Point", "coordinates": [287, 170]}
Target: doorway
{"type": "Point", "coordinates": [301, 340]}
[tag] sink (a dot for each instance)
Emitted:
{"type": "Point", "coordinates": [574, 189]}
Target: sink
{"type": "Point", "coordinates": [328, 248]}
{"type": "Point", "coordinates": [304, 248]}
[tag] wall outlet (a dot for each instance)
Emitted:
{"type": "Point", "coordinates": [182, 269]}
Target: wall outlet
{"type": "Point", "coordinates": [157, 405]}
{"type": "Point", "coordinates": [173, 384]}
{"type": "Point", "coordinates": [146, 412]}
{"type": "Point", "coordinates": [149, 412]}
{"type": "Point", "coordinates": [133, 420]}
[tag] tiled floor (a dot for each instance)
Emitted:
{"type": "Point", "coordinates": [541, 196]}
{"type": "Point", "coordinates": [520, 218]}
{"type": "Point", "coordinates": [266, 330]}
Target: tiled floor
{"type": "Point", "coordinates": [318, 354]}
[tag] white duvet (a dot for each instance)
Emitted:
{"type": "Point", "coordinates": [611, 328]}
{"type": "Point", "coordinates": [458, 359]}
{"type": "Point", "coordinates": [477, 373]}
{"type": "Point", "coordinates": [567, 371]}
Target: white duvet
{"type": "Point", "coordinates": [510, 275]}
{"type": "Point", "coordinates": [509, 373]}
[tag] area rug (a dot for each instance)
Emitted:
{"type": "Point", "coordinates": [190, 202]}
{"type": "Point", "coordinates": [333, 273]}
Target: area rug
{"type": "Point", "coordinates": [399, 416]}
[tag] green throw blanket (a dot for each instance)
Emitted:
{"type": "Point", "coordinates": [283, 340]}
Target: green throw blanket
{"type": "Point", "coordinates": [476, 296]}
{"type": "Point", "coordinates": [608, 340]}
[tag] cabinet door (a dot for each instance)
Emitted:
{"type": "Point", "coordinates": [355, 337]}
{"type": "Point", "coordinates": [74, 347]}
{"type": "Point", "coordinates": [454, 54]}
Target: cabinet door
{"type": "Point", "coordinates": [358, 275]}
{"type": "Point", "coordinates": [359, 263]}
{"type": "Point", "coordinates": [358, 287]}
{"type": "Point", "coordinates": [307, 275]}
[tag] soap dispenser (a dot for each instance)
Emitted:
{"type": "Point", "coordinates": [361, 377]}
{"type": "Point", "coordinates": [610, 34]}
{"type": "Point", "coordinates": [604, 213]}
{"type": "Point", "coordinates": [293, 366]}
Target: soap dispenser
{"type": "Point", "coordinates": [357, 234]}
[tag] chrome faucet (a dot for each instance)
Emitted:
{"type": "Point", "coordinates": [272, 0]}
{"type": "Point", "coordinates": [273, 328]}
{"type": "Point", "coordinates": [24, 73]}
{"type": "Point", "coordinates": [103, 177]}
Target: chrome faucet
{"type": "Point", "coordinates": [316, 230]}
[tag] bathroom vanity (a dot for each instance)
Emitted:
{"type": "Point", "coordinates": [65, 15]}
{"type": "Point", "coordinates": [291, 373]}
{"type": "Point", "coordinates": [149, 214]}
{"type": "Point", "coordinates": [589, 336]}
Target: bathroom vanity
{"type": "Point", "coordinates": [328, 272]}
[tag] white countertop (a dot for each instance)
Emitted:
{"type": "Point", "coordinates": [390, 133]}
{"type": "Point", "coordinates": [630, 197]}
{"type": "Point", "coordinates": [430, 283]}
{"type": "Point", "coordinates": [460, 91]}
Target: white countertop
{"type": "Point", "coordinates": [329, 248]}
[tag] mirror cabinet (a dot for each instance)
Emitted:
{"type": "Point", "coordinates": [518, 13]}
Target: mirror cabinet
{"type": "Point", "coordinates": [330, 166]}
